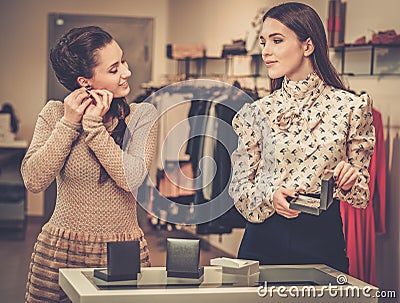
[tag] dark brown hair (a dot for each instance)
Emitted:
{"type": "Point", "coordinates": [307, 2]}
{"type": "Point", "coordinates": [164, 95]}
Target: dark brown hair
{"type": "Point", "coordinates": [305, 22]}
{"type": "Point", "coordinates": [75, 55]}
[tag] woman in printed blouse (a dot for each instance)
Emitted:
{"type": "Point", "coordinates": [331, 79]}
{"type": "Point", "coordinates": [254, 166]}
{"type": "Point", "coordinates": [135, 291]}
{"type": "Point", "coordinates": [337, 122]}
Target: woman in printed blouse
{"type": "Point", "coordinates": [79, 143]}
{"type": "Point", "coordinates": [308, 126]}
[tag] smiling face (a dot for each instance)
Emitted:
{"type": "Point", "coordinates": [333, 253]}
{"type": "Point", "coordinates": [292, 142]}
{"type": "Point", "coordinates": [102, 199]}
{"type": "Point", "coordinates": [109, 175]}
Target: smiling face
{"type": "Point", "coordinates": [283, 53]}
{"type": "Point", "coordinates": [112, 71]}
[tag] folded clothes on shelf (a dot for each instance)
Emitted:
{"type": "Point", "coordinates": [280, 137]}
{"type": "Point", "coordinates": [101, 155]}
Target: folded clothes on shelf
{"type": "Point", "coordinates": [182, 51]}
{"type": "Point", "coordinates": [387, 37]}
{"type": "Point", "coordinates": [237, 47]}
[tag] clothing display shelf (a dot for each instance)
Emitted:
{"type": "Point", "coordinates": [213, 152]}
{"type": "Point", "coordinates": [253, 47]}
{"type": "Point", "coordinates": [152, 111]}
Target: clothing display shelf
{"type": "Point", "coordinates": [209, 66]}
{"type": "Point", "coordinates": [384, 59]}
{"type": "Point", "coordinates": [13, 192]}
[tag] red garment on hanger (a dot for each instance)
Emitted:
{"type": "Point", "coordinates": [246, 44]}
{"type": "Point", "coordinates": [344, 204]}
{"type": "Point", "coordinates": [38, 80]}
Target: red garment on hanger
{"type": "Point", "coordinates": [361, 225]}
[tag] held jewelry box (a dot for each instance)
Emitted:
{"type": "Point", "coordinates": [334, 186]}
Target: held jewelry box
{"type": "Point", "coordinates": [315, 203]}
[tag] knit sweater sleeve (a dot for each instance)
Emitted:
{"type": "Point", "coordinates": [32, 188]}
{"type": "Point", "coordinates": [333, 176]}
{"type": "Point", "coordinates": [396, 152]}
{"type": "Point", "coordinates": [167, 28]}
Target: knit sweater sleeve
{"type": "Point", "coordinates": [127, 167]}
{"type": "Point", "coordinates": [49, 148]}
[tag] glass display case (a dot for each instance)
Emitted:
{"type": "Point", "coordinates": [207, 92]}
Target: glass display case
{"type": "Point", "coordinates": [273, 283]}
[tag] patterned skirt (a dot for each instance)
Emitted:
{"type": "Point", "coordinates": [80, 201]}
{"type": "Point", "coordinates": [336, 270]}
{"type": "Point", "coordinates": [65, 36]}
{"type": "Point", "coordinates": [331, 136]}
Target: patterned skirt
{"type": "Point", "coordinates": [57, 248]}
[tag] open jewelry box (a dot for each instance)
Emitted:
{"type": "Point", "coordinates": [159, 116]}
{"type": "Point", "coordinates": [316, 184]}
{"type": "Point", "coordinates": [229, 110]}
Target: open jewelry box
{"type": "Point", "coordinates": [315, 203]}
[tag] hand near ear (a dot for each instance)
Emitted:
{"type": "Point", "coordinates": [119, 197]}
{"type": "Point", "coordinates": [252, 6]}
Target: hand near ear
{"type": "Point", "coordinates": [75, 105]}
{"type": "Point", "coordinates": [101, 101]}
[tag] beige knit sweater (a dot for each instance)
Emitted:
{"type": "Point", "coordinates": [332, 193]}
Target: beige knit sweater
{"type": "Point", "coordinates": [73, 154]}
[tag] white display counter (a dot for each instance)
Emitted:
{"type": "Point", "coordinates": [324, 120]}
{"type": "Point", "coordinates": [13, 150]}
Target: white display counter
{"type": "Point", "coordinates": [285, 283]}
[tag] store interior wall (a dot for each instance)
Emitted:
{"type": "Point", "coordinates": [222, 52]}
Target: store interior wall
{"type": "Point", "coordinates": [23, 59]}
{"type": "Point", "coordinates": [214, 23]}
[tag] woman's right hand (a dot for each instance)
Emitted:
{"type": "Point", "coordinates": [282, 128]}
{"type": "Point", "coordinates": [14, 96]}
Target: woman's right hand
{"type": "Point", "coordinates": [281, 205]}
{"type": "Point", "coordinates": [75, 104]}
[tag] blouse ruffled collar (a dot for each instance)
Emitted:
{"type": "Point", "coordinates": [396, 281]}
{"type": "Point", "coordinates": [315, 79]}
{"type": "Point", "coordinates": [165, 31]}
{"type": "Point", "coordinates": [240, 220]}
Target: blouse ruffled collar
{"type": "Point", "coordinates": [298, 101]}
{"type": "Point", "coordinates": [302, 89]}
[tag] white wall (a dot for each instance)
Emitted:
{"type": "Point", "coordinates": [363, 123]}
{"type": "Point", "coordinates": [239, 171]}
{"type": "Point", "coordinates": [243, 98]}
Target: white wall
{"type": "Point", "coordinates": [214, 23]}
{"type": "Point", "coordinates": [23, 55]}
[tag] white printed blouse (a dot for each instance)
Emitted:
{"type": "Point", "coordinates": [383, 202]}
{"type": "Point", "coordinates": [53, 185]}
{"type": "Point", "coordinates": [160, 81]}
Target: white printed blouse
{"type": "Point", "coordinates": [289, 138]}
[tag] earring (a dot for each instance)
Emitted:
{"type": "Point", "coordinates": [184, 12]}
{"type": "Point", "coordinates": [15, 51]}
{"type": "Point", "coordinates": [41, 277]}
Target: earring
{"type": "Point", "coordinates": [88, 88]}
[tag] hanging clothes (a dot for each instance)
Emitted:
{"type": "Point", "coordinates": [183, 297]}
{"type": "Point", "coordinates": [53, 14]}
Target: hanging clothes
{"type": "Point", "coordinates": [360, 226]}
{"type": "Point", "coordinates": [225, 144]}
{"type": "Point", "coordinates": [198, 113]}
{"type": "Point", "coordinates": [176, 180]}
{"type": "Point", "coordinates": [186, 174]}
{"type": "Point", "coordinates": [173, 131]}
{"type": "Point", "coordinates": [171, 172]}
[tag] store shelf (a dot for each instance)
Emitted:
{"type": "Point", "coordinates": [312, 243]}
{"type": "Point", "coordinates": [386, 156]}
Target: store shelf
{"type": "Point", "coordinates": [353, 60]}
{"type": "Point", "coordinates": [386, 56]}
{"type": "Point", "coordinates": [201, 67]}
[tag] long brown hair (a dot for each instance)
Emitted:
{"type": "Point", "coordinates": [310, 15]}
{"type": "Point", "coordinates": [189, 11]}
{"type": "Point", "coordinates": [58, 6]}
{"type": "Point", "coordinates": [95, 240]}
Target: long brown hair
{"type": "Point", "coordinates": [306, 23]}
{"type": "Point", "coordinates": [75, 55]}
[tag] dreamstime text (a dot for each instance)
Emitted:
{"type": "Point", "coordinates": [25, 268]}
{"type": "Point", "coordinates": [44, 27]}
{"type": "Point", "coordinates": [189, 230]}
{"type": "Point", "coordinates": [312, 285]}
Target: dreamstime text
{"type": "Point", "coordinates": [342, 290]}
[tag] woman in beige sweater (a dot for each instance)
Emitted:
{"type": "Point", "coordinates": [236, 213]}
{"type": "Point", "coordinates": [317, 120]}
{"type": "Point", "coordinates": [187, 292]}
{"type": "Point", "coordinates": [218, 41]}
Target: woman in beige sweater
{"type": "Point", "coordinates": [98, 166]}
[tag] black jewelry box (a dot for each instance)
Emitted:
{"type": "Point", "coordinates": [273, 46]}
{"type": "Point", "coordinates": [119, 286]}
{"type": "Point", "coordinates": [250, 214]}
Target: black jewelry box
{"type": "Point", "coordinates": [183, 258]}
{"type": "Point", "coordinates": [123, 262]}
{"type": "Point", "coordinates": [315, 203]}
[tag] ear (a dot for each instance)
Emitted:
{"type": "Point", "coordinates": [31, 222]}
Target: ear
{"type": "Point", "coordinates": [82, 81]}
{"type": "Point", "coordinates": [308, 47]}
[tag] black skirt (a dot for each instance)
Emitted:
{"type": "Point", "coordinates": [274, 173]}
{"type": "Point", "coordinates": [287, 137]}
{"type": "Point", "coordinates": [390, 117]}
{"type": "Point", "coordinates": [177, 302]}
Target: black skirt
{"type": "Point", "coordinates": [307, 239]}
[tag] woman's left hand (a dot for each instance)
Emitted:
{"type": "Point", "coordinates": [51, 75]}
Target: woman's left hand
{"type": "Point", "coordinates": [101, 102]}
{"type": "Point", "coordinates": [345, 176]}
